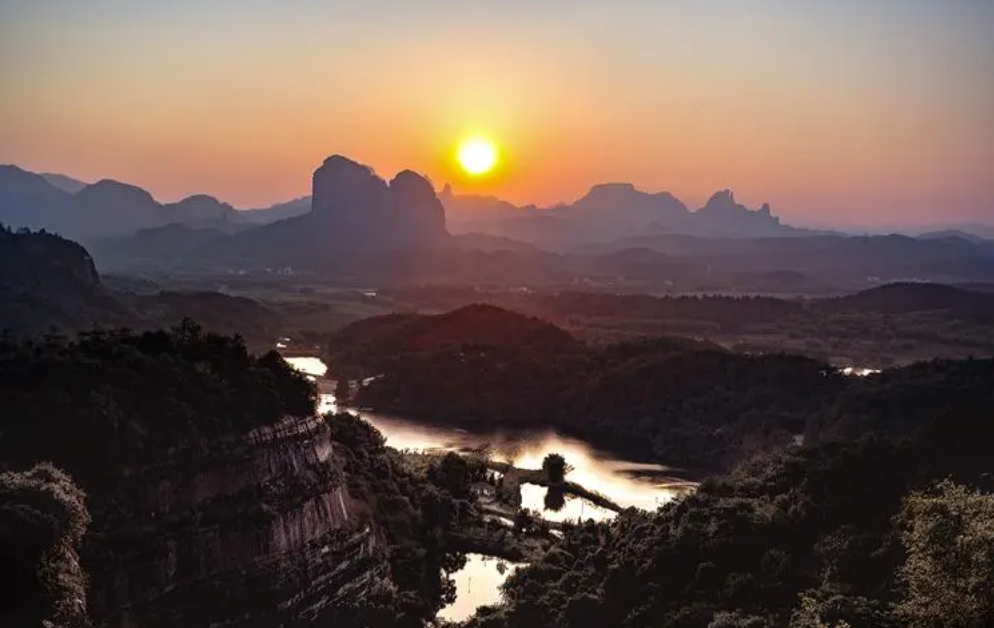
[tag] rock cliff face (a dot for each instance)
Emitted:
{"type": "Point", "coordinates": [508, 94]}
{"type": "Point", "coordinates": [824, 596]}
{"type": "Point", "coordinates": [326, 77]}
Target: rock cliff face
{"type": "Point", "coordinates": [255, 532]}
{"type": "Point", "coordinates": [724, 216]}
{"type": "Point", "coordinates": [357, 207]}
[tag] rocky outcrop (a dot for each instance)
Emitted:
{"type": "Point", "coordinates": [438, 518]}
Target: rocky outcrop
{"type": "Point", "coordinates": [722, 215]}
{"type": "Point", "coordinates": [358, 208]}
{"type": "Point", "coordinates": [420, 212]}
{"type": "Point", "coordinates": [255, 532]}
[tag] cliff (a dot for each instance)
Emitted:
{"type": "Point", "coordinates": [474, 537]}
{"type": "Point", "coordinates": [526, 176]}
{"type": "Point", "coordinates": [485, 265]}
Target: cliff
{"type": "Point", "coordinates": [216, 496]}
{"type": "Point", "coordinates": [256, 531]}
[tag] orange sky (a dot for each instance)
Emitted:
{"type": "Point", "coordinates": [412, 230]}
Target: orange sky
{"type": "Point", "coordinates": [833, 112]}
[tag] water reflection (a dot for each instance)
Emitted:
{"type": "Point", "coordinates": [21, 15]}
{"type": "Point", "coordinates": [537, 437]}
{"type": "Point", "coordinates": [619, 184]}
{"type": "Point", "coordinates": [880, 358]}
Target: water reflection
{"type": "Point", "coordinates": [627, 483]}
{"type": "Point", "coordinates": [308, 366]}
{"type": "Point", "coordinates": [477, 584]}
{"type": "Point", "coordinates": [856, 371]}
{"type": "Point", "coordinates": [535, 497]}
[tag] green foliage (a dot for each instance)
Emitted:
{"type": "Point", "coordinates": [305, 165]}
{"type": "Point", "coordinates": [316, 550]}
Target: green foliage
{"type": "Point", "coordinates": [415, 512]}
{"type": "Point", "coordinates": [456, 475]}
{"type": "Point", "coordinates": [948, 534]}
{"type": "Point", "coordinates": [807, 538]}
{"type": "Point", "coordinates": [685, 403]}
{"type": "Point", "coordinates": [43, 518]}
{"type": "Point", "coordinates": [119, 398]}
{"type": "Point", "coordinates": [673, 400]}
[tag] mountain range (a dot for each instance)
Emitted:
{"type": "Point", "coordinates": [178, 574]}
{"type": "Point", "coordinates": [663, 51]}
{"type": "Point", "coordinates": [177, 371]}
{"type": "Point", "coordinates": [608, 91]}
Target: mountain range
{"type": "Point", "coordinates": [108, 208]}
{"type": "Point", "coordinates": [612, 211]}
{"type": "Point", "coordinates": [359, 228]}
{"type": "Point", "coordinates": [49, 283]}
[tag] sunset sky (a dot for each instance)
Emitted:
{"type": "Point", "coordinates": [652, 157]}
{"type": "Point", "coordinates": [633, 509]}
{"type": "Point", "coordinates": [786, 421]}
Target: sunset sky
{"type": "Point", "coordinates": [834, 111]}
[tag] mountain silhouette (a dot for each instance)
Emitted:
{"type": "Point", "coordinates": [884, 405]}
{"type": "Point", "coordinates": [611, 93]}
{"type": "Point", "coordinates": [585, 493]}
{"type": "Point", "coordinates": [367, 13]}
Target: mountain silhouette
{"type": "Point", "coordinates": [28, 200]}
{"type": "Point", "coordinates": [611, 211]}
{"type": "Point", "coordinates": [201, 210]}
{"type": "Point", "coordinates": [108, 208]}
{"type": "Point", "coordinates": [354, 213]}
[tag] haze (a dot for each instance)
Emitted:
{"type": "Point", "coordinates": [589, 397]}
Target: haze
{"type": "Point", "coordinates": [834, 112]}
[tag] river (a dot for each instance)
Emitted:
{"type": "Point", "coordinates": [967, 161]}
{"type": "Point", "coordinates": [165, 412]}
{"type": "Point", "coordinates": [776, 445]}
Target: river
{"type": "Point", "coordinates": [626, 482]}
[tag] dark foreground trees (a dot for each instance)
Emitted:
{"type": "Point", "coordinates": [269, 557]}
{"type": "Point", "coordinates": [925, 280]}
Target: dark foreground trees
{"type": "Point", "coordinates": [115, 398]}
{"type": "Point", "coordinates": [859, 534]}
{"type": "Point", "coordinates": [43, 518]}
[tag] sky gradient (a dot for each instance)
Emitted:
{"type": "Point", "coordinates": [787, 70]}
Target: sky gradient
{"type": "Point", "coordinates": [834, 111]}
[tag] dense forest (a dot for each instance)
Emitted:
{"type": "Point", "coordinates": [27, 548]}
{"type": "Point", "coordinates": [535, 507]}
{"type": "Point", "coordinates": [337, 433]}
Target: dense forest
{"type": "Point", "coordinates": [416, 509]}
{"type": "Point", "coordinates": [868, 533]}
{"type": "Point", "coordinates": [685, 402]}
{"type": "Point", "coordinates": [881, 519]}
{"type": "Point", "coordinates": [116, 397]}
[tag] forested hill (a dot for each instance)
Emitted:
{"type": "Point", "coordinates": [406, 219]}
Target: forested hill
{"type": "Point", "coordinates": [680, 401]}
{"type": "Point", "coordinates": [868, 534]}
{"type": "Point", "coordinates": [49, 283]}
{"type": "Point", "coordinates": [370, 342]}
{"type": "Point", "coordinates": [898, 298]}
{"type": "Point", "coordinates": [115, 398]}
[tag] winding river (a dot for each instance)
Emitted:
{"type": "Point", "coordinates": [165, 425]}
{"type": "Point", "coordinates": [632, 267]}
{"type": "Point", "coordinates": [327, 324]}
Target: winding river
{"type": "Point", "coordinates": [626, 482]}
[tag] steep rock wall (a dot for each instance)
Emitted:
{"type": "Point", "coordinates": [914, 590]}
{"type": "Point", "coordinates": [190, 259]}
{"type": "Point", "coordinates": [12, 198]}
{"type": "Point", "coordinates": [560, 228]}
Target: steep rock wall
{"type": "Point", "coordinates": [255, 532]}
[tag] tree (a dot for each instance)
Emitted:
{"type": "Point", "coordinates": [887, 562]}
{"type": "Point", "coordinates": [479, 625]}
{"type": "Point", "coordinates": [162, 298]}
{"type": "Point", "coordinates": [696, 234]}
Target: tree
{"type": "Point", "coordinates": [43, 518]}
{"type": "Point", "coordinates": [556, 468]}
{"type": "Point", "coordinates": [453, 474]}
{"type": "Point", "coordinates": [949, 572]}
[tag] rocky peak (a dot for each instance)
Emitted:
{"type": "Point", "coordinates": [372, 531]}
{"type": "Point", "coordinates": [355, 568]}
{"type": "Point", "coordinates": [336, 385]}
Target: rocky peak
{"type": "Point", "coordinates": [363, 210]}
{"type": "Point", "coordinates": [342, 184]}
{"type": "Point", "coordinates": [722, 200]}
{"type": "Point", "coordinates": [610, 192]}
{"type": "Point", "coordinates": [415, 195]}
{"type": "Point", "coordinates": [723, 215]}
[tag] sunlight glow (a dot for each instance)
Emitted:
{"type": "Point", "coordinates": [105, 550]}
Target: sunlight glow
{"type": "Point", "coordinates": [477, 156]}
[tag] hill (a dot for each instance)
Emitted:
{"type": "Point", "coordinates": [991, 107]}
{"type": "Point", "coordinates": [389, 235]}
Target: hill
{"type": "Point", "coordinates": [903, 298]}
{"type": "Point", "coordinates": [49, 283]}
{"type": "Point", "coordinates": [474, 331]}
{"type": "Point", "coordinates": [684, 402]}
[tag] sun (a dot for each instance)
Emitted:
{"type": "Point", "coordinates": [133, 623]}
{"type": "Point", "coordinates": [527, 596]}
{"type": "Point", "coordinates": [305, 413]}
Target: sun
{"type": "Point", "coordinates": [477, 156]}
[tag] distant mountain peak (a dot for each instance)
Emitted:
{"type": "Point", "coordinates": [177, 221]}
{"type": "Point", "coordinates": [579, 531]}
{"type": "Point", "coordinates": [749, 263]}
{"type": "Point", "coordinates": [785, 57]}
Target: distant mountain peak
{"type": "Point", "coordinates": [610, 191]}
{"type": "Point", "coordinates": [341, 163]}
{"type": "Point", "coordinates": [357, 204]}
{"type": "Point", "coordinates": [722, 199]}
